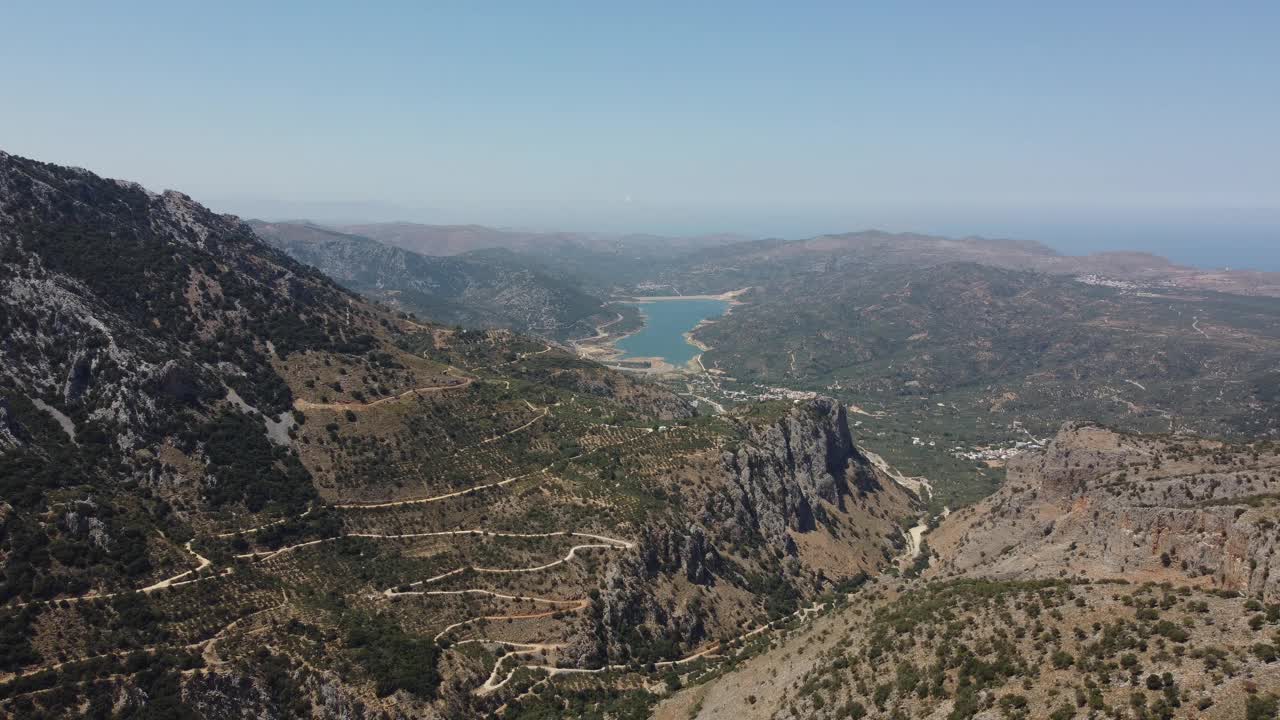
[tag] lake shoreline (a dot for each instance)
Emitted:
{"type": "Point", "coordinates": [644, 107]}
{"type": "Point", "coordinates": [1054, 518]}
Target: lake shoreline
{"type": "Point", "coordinates": [604, 348]}
{"type": "Point", "coordinates": [730, 297]}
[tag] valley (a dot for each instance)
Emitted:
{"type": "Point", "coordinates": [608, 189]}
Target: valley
{"type": "Point", "coordinates": [232, 484]}
{"type": "Point", "coordinates": [639, 361]}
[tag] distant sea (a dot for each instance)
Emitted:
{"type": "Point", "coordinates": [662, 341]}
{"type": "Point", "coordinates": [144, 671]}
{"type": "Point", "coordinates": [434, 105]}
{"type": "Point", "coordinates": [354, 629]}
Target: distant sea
{"type": "Point", "coordinates": [1212, 239]}
{"type": "Point", "coordinates": [1248, 241]}
{"type": "Point", "coordinates": [1207, 249]}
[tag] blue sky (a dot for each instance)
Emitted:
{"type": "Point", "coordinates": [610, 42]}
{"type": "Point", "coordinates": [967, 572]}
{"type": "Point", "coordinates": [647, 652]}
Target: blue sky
{"type": "Point", "coordinates": [1087, 125]}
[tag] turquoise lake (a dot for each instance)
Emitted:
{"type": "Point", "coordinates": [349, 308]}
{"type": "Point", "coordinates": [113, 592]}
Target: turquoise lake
{"type": "Point", "coordinates": [665, 323]}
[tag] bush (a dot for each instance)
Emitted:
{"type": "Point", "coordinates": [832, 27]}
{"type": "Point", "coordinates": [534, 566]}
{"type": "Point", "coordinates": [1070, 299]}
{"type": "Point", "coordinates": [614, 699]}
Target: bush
{"type": "Point", "coordinates": [1064, 712]}
{"type": "Point", "coordinates": [1266, 652]}
{"type": "Point", "coordinates": [396, 660]}
{"type": "Point", "coordinates": [1261, 708]}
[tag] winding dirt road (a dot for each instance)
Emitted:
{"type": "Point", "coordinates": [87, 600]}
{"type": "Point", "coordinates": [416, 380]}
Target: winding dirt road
{"type": "Point", "coordinates": [614, 543]}
{"type": "Point", "coordinates": [174, 581]}
{"type": "Point", "coordinates": [489, 686]}
{"type": "Point", "coordinates": [305, 405]}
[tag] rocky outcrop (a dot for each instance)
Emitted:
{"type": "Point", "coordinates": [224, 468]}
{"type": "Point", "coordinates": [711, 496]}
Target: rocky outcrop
{"type": "Point", "coordinates": [627, 602]}
{"type": "Point", "coordinates": [782, 471]}
{"type": "Point", "coordinates": [125, 314]}
{"type": "Point", "coordinates": [627, 620]}
{"type": "Point", "coordinates": [663, 550]}
{"type": "Point", "coordinates": [793, 476]}
{"type": "Point", "coordinates": [1077, 455]}
{"type": "Point", "coordinates": [1101, 504]}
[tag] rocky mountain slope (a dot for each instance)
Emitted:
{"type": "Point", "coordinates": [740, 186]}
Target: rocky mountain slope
{"type": "Point", "coordinates": [1007, 649]}
{"type": "Point", "coordinates": [231, 486]}
{"type": "Point", "coordinates": [494, 288]}
{"type": "Point", "coordinates": [1105, 505]}
{"type": "Point", "coordinates": [134, 320]}
{"type": "Point", "coordinates": [1113, 575]}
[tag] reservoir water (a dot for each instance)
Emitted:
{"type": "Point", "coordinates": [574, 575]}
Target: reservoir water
{"type": "Point", "coordinates": [665, 323]}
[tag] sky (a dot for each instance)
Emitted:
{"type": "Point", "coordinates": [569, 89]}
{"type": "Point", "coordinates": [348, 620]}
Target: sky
{"type": "Point", "coordinates": [1085, 125]}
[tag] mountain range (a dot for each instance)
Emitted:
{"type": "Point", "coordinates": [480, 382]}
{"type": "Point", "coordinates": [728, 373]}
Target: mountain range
{"type": "Point", "coordinates": [492, 287]}
{"type": "Point", "coordinates": [230, 483]}
{"type": "Point", "coordinates": [279, 470]}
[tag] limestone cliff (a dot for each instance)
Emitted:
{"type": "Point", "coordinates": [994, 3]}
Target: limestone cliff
{"type": "Point", "coordinates": [796, 507]}
{"type": "Point", "coordinates": [785, 473]}
{"type": "Point", "coordinates": [1101, 504]}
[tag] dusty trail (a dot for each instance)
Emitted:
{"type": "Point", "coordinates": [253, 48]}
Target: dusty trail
{"type": "Point", "coordinates": [577, 605]}
{"type": "Point", "coordinates": [1195, 325]}
{"type": "Point", "coordinates": [437, 498]}
{"type": "Point", "coordinates": [477, 488]}
{"type": "Point", "coordinates": [519, 358]}
{"type": "Point", "coordinates": [545, 411]}
{"type": "Point", "coordinates": [600, 328]}
{"type": "Point", "coordinates": [168, 582]}
{"type": "Point", "coordinates": [264, 526]}
{"type": "Point", "coordinates": [174, 581]}
{"type": "Point", "coordinates": [391, 592]}
{"type": "Point", "coordinates": [718, 407]}
{"type": "Point", "coordinates": [614, 543]}
{"type": "Point", "coordinates": [149, 650]}
{"type": "Point", "coordinates": [489, 686]}
{"type": "Point", "coordinates": [305, 405]}
{"type": "Point", "coordinates": [490, 593]}
{"type": "Point", "coordinates": [563, 604]}
{"type": "Point", "coordinates": [210, 652]}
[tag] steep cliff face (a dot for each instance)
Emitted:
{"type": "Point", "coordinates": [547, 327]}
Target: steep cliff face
{"type": "Point", "coordinates": [1101, 504]}
{"type": "Point", "coordinates": [650, 601]}
{"type": "Point", "coordinates": [796, 507]}
{"type": "Point", "coordinates": [786, 474]}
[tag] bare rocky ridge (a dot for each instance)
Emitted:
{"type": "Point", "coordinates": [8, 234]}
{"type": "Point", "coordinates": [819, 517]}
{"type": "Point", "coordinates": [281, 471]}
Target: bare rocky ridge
{"type": "Point", "coordinates": [796, 488]}
{"type": "Point", "coordinates": [1101, 504]}
{"type": "Point", "coordinates": [786, 473]}
{"type": "Point", "coordinates": [1114, 575]}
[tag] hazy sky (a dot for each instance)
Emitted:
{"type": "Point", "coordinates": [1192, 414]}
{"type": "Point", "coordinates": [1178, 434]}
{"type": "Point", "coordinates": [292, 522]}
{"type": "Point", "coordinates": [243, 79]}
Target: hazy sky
{"type": "Point", "coordinates": [1085, 124]}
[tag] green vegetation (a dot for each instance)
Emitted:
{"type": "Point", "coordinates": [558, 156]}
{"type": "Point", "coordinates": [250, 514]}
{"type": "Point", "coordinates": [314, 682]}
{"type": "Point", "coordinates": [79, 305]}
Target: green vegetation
{"type": "Point", "coordinates": [246, 467]}
{"type": "Point", "coordinates": [396, 660]}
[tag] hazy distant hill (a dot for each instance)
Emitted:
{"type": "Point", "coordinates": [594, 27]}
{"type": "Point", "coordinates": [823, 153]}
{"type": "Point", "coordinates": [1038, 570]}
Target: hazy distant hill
{"type": "Point", "coordinates": [457, 239]}
{"type": "Point", "coordinates": [726, 267]}
{"type": "Point", "coordinates": [480, 288]}
{"type": "Point", "coordinates": [601, 263]}
{"type": "Point", "coordinates": [999, 343]}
